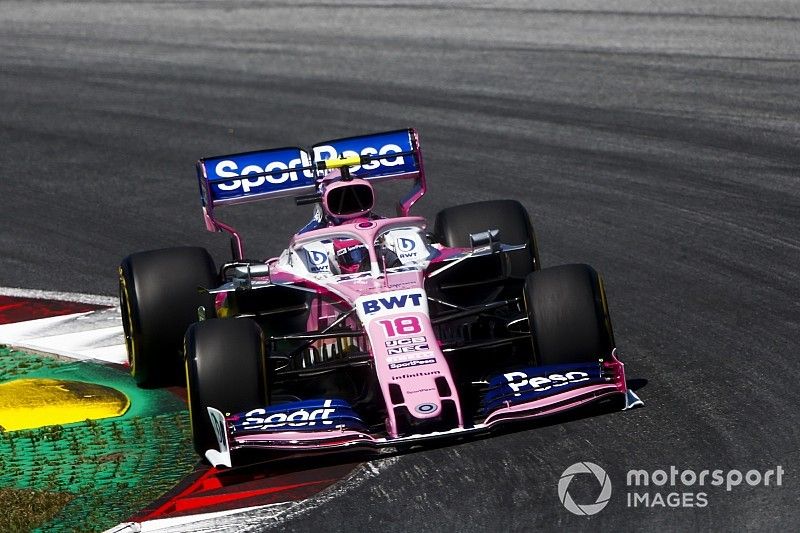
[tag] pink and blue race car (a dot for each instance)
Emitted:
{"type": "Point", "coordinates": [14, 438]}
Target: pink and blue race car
{"type": "Point", "coordinates": [366, 331]}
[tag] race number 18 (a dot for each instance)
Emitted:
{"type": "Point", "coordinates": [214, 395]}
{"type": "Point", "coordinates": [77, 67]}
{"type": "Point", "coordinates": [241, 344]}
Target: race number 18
{"type": "Point", "coordinates": [407, 325]}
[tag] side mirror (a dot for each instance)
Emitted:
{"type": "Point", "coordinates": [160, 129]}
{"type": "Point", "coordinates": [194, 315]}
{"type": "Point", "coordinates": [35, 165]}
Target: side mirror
{"type": "Point", "coordinates": [490, 238]}
{"type": "Point", "coordinates": [251, 270]}
{"type": "Point", "coordinates": [244, 272]}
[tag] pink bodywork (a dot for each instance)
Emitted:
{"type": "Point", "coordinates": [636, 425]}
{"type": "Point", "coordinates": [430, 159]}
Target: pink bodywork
{"type": "Point", "coordinates": [366, 292]}
{"type": "Point", "coordinates": [551, 405]}
{"type": "Point", "coordinates": [417, 383]}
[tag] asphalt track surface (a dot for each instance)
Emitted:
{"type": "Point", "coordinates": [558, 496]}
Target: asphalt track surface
{"type": "Point", "coordinates": [655, 141]}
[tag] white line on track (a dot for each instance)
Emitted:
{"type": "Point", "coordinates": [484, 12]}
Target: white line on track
{"type": "Point", "coordinates": [59, 296]}
{"type": "Point", "coordinates": [93, 335]}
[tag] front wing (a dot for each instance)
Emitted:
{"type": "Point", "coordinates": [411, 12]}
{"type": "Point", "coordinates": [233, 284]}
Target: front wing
{"type": "Point", "coordinates": [330, 425]}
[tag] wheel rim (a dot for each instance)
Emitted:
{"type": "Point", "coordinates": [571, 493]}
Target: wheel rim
{"type": "Point", "coordinates": [127, 323]}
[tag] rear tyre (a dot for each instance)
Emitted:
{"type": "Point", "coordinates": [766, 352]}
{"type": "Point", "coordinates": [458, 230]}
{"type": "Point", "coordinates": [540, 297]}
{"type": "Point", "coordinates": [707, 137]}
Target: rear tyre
{"type": "Point", "coordinates": [455, 224]}
{"type": "Point", "coordinates": [225, 369]}
{"type": "Point", "coordinates": [568, 315]}
{"type": "Point", "coordinates": [159, 297]}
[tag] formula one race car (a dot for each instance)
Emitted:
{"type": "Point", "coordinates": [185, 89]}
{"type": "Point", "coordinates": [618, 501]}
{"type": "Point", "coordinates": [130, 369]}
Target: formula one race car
{"type": "Point", "coordinates": [366, 332]}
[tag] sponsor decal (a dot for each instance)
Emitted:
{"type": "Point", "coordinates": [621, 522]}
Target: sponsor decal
{"type": "Point", "coordinates": [418, 375]}
{"type": "Point", "coordinates": [235, 176]}
{"type": "Point", "coordinates": [289, 170]}
{"type": "Point", "coordinates": [426, 408]}
{"type": "Point", "coordinates": [408, 357]}
{"type": "Point", "coordinates": [420, 390]}
{"type": "Point", "coordinates": [406, 341]}
{"type": "Point", "coordinates": [302, 418]}
{"type": "Point", "coordinates": [347, 249]}
{"type": "Point", "coordinates": [417, 362]}
{"type": "Point", "coordinates": [408, 349]}
{"type": "Point", "coordinates": [403, 284]}
{"type": "Point", "coordinates": [230, 169]}
{"type": "Point", "coordinates": [389, 303]}
{"type": "Point", "coordinates": [405, 245]}
{"type": "Point", "coordinates": [520, 381]}
{"type": "Point", "coordinates": [317, 258]}
{"type": "Point", "coordinates": [327, 152]}
{"type": "Point", "coordinates": [530, 384]}
{"type": "Point", "coordinates": [401, 310]}
{"type": "Point", "coordinates": [385, 146]}
{"type": "Point", "coordinates": [307, 415]}
{"type": "Point", "coordinates": [408, 245]}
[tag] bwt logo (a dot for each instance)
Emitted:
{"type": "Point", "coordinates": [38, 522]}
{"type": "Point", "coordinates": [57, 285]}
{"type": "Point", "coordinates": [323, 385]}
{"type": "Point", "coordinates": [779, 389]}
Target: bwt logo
{"type": "Point", "coordinates": [405, 245]}
{"type": "Point", "coordinates": [392, 302]}
{"type": "Point", "coordinates": [520, 380]}
{"type": "Point", "coordinates": [323, 153]}
{"type": "Point", "coordinates": [230, 169]}
{"type": "Point", "coordinates": [317, 258]}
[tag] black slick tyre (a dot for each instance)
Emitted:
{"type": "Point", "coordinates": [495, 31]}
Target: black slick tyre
{"type": "Point", "coordinates": [568, 315]}
{"type": "Point", "coordinates": [455, 224]}
{"type": "Point", "coordinates": [159, 299]}
{"type": "Point", "coordinates": [225, 369]}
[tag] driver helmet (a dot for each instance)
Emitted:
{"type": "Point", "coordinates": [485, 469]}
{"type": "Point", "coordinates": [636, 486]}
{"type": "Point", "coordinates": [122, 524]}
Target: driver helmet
{"type": "Point", "coordinates": [351, 256]}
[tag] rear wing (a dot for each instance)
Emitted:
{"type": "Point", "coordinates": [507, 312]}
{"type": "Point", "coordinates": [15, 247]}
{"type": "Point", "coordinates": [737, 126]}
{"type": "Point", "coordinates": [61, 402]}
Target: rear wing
{"type": "Point", "coordinates": [251, 176]}
{"type": "Point", "coordinates": [292, 171]}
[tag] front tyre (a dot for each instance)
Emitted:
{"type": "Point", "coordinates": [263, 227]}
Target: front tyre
{"type": "Point", "coordinates": [568, 315]}
{"type": "Point", "coordinates": [455, 224]}
{"type": "Point", "coordinates": [159, 297]}
{"type": "Point", "coordinates": [225, 369]}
